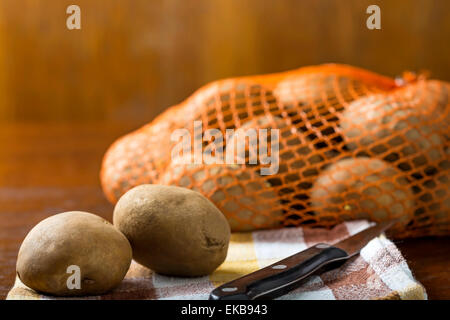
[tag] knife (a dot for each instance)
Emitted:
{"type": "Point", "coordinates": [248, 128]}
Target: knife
{"type": "Point", "coordinates": [285, 275]}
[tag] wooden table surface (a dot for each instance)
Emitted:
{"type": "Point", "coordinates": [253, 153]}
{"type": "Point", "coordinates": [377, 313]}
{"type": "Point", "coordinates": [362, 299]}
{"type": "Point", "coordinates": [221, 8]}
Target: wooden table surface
{"type": "Point", "coordinates": [50, 168]}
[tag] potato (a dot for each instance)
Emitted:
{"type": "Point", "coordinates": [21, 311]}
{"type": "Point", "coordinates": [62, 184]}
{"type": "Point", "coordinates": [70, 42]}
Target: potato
{"type": "Point", "coordinates": [252, 146]}
{"type": "Point", "coordinates": [307, 88]}
{"type": "Point", "coordinates": [75, 238]}
{"type": "Point", "coordinates": [362, 188]}
{"type": "Point", "coordinates": [314, 102]}
{"type": "Point", "coordinates": [339, 84]}
{"type": "Point", "coordinates": [172, 230]}
{"type": "Point", "coordinates": [410, 128]}
{"type": "Point", "coordinates": [246, 199]}
{"type": "Point", "coordinates": [259, 202]}
{"type": "Point", "coordinates": [414, 121]}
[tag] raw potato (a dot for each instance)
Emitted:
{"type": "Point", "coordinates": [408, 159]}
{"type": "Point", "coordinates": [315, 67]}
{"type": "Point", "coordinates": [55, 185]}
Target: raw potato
{"type": "Point", "coordinates": [259, 199]}
{"type": "Point", "coordinates": [362, 188]}
{"type": "Point", "coordinates": [410, 128]}
{"type": "Point", "coordinates": [315, 102]}
{"type": "Point", "coordinates": [102, 253]}
{"type": "Point", "coordinates": [415, 118]}
{"type": "Point", "coordinates": [306, 88]}
{"type": "Point", "coordinates": [245, 198]}
{"type": "Point", "coordinates": [251, 146]}
{"type": "Point", "coordinates": [173, 230]}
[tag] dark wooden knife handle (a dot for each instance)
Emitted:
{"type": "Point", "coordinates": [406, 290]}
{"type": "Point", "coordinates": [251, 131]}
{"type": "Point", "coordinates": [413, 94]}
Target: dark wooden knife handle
{"type": "Point", "coordinates": [281, 277]}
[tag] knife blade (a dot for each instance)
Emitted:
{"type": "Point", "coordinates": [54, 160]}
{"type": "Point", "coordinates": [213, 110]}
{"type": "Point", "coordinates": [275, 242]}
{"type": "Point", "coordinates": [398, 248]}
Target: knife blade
{"type": "Point", "coordinates": [285, 275]}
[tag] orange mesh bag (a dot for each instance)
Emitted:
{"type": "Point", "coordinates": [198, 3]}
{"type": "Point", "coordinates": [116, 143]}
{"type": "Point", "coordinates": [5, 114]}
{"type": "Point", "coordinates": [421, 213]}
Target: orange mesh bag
{"type": "Point", "coordinates": [352, 144]}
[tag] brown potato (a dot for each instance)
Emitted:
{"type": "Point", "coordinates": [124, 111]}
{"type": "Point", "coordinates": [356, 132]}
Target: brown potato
{"type": "Point", "coordinates": [362, 188]}
{"type": "Point", "coordinates": [410, 129]}
{"type": "Point", "coordinates": [306, 88]}
{"type": "Point", "coordinates": [173, 230]}
{"type": "Point", "coordinates": [75, 238]}
{"type": "Point", "coordinates": [246, 199]}
{"type": "Point", "coordinates": [415, 118]}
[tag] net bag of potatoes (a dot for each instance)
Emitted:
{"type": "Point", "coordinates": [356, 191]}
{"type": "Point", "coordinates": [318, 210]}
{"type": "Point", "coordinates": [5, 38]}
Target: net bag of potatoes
{"type": "Point", "coordinates": [350, 144]}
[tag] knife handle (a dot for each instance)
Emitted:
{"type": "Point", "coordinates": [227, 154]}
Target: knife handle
{"type": "Point", "coordinates": [281, 277]}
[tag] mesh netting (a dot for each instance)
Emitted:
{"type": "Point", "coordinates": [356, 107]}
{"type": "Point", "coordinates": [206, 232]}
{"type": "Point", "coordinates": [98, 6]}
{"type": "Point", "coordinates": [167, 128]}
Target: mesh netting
{"type": "Point", "coordinates": [352, 145]}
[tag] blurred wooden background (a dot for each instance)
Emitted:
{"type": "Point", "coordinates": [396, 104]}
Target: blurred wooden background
{"type": "Point", "coordinates": [66, 95]}
{"type": "Point", "coordinates": [133, 58]}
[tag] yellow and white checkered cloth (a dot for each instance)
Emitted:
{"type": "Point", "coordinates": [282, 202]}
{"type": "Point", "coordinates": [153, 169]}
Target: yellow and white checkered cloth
{"type": "Point", "coordinates": [379, 272]}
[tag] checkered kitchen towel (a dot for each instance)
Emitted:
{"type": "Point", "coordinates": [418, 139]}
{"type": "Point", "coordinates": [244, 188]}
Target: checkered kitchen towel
{"type": "Point", "coordinates": [379, 272]}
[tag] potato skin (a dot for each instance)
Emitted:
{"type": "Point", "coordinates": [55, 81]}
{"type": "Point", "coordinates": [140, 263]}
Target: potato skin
{"type": "Point", "coordinates": [173, 230]}
{"type": "Point", "coordinates": [246, 206]}
{"type": "Point", "coordinates": [73, 238]}
{"type": "Point", "coordinates": [362, 188]}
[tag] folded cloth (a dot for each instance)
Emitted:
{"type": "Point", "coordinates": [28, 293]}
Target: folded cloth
{"type": "Point", "coordinates": [379, 272]}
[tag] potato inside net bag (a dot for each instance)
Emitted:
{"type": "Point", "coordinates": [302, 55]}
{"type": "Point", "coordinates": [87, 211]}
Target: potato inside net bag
{"type": "Point", "coordinates": [320, 122]}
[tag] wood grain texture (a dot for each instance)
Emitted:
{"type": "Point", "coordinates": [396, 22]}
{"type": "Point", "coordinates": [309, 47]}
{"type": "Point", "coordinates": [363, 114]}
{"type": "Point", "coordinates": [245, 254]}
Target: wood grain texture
{"type": "Point", "coordinates": [50, 168]}
{"type": "Point", "coordinates": [81, 89]}
{"type": "Point", "coordinates": [429, 260]}
{"type": "Point", "coordinates": [132, 59]}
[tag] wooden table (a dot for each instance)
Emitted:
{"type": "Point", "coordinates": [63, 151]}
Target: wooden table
{"type": "Point", "coordinates": [50, 168]}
